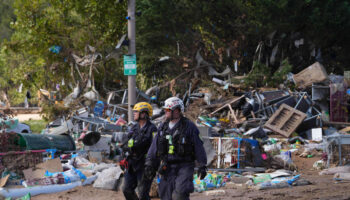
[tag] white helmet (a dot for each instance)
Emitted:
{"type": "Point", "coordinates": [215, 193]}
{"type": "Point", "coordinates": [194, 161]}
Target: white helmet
{"type": "Point", "coordinates": [174, 102]}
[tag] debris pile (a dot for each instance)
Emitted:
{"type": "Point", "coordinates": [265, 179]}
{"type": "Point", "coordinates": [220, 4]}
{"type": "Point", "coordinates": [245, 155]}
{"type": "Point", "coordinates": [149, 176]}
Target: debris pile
{"type": "Point", "coordinates": [252, 137]}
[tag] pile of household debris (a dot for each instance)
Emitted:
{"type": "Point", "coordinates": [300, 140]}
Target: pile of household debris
{"type": "Point", "coordinates": [264, 128]}
{"type": "Point", "coordinates": [244, 134]}
{"type": "Point", "coordinates": [53, 176]}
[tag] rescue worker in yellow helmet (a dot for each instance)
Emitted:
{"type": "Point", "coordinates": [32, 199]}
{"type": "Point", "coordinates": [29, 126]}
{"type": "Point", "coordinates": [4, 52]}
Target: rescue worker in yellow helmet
{"type": "Point", "coordinates": [135, 150]}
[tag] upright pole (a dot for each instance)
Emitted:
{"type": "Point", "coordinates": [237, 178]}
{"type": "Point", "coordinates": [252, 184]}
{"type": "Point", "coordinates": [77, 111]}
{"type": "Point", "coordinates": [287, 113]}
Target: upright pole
{"type": "Point", "coordinates": [132, 50]}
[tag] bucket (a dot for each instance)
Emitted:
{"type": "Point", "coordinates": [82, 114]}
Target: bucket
{"type": "Point", "coordinates": [91, 138]}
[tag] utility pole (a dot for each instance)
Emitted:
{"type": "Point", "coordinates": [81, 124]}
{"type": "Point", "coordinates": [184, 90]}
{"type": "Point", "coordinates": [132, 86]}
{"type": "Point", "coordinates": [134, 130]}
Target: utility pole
{"type": "Point", "coordinates": [132, 51]}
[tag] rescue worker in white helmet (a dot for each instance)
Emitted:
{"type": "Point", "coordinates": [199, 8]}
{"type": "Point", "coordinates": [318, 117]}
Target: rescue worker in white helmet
{"type": "Point", "coordinates": [173, 153]}
{"type": "Point", "coordinates": [135, 150]}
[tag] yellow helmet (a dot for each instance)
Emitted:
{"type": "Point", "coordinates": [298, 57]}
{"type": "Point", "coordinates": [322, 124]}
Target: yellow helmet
{"type": "Point", "coordinates": [144, 106]}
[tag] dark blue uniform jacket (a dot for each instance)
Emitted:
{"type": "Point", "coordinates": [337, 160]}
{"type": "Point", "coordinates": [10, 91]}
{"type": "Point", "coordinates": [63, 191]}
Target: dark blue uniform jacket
{"type": "Point", "coordinates": [142, 141]}
{"type": "Point", "coordinates": [192, 134]}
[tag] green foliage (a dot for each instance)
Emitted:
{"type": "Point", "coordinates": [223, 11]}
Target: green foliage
{"type": "Point", "coordinates": [325, 23]}
{"type": "Point", "coordinates": [36, 125]}
{"type": "Point", "coordinates": [50, 112]}
{"type": "Point", "coordinates": [259, 76]}
{"type": "Point", "coordinates": [191, 25]}
{"type": "Point", "coordinates": [280, 75]}
{"type": "Point", "coordinates": [213, 27]}
{"type": "Point", "coordinates": [72, 25]}
{"type": "Point", "coordinates": [6, 17]}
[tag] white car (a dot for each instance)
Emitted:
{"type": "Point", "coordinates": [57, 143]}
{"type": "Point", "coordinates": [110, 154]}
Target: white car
{"type": "Point", "coordinates": [20, 128]}
{"type": "Point", "coordinates": [13, 125]}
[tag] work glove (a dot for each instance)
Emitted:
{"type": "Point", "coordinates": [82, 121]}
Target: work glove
{"type": "Point", "coordinates": [150, 172]}
{"type": "Point", "coordinates": [124, 164]}
{"type": "Point", "coordinates": [202, 172]}
{"type": "Point", "coordinates": [163, 168]}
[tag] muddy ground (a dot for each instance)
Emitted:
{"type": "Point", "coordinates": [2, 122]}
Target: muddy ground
{"type": "Point", "coordinates": [323, 187]}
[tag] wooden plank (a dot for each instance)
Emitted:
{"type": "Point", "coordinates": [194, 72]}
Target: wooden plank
{"type": "Point", "coordinates": [233, 114]}
{"type": "Point", "coordinates": [231, 102]}
{"type": "Point", "coordinates": [285, 118]}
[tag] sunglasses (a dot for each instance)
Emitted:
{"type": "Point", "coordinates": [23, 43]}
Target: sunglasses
{"type": "Point", "coordinates": [167, 110]}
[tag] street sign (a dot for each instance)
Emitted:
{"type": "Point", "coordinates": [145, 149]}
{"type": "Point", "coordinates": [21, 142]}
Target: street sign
{"type": "Point", "coordinates": [129, 65]}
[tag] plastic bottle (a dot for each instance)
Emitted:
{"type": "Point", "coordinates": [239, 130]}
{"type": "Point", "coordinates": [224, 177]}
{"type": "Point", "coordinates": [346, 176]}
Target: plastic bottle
{"type": "Point", "coordinates": [80, 174]}
{"type": "Point", "coordinates": [203, 186]}
{"type": "Point", "coordinates": [273, 141]}
{"type": "Point", "coordinates": [214, 180]}
{"type": "Point", "coordinates": [197, 188]}
{"type": "Point", "coordinates": [297, 144]}
{"type": "Point", "coordinates": [219, 181]}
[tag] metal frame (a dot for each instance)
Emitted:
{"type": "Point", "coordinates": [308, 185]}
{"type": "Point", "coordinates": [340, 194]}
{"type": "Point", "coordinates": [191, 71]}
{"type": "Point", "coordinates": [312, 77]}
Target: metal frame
{"type": "Point", "coordinates": [100, 123]}
{"type": "Point", "coordinates": [339, 140]}
{"type": "Point", "coordinates": [219, 148]}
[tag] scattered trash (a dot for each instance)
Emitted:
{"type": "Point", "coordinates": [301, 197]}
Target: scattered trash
{"type": "Point", "coordinates": [277, 183]}
{"type": "Point", "coordinates": [335, 170]}
{"type": "Point", "coordinates": [47, 189]}
{"type": "Point", "coordinates": [261, 178]}
{"type": "Point", "coordinates": [25, 197]}
{"type": "Point", "coordinates": [315, 73]}
{"type": "Point", "coordinates": [285, 120]}
{"type": "Point", "coordinates": [319, 165]}
{"type": "Point", "coordinates": [342, 176]}
{"type": "Point", "coordinates": [243, 131]}
{"type": "Point", "coordinates": [215, 193]}
{"type": "Point", "coordinates": [210, 181]}
{"type": "Point", "coordinates": [108, 178]}
{"type": "Point", "coordinates": [55, 49]}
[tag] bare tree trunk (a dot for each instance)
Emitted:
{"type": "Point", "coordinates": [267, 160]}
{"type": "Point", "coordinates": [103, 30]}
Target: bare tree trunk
{"type": "Point", "coordinates": [5, 99]}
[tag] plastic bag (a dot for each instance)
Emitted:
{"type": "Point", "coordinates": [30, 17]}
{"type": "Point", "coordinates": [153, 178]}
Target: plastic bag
{"type": "Point", "coordinates": [108, 178]}
{"type": "Point", "coordinates": [70, 176]}
{"type": "Point", "coordinates": [285, 157]}
{"type": "Point", "coordinates": [334, 170]}
{"type": "Point", "coordinates": [102, 166]}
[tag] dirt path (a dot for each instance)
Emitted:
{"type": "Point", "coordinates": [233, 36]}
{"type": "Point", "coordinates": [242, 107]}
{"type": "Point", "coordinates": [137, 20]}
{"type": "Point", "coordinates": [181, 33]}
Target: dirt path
{"type": "Point", "coordinates": [322, 188]}
{"type": "Point", "coordinates": [25, 117]}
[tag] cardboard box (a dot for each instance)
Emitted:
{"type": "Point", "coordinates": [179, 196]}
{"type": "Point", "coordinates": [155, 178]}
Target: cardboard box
{"type": "Point", "coordinates": [4, 180]}
{"type": "Point", "coordinates": [315, 73]}
{"type": "Point", "coordinates": [53, 165]}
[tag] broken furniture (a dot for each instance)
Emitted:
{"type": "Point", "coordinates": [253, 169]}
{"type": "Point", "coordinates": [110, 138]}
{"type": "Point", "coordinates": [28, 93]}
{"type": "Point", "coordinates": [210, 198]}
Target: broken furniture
{"type": "Point", "coordinates": [228, 150]}
{"type": "Point", "coordinates": [338, 102]}
{"type": "Point", "coordinates": [285, 120]}
{"type": "Point", "coordinates": [232, 113]}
